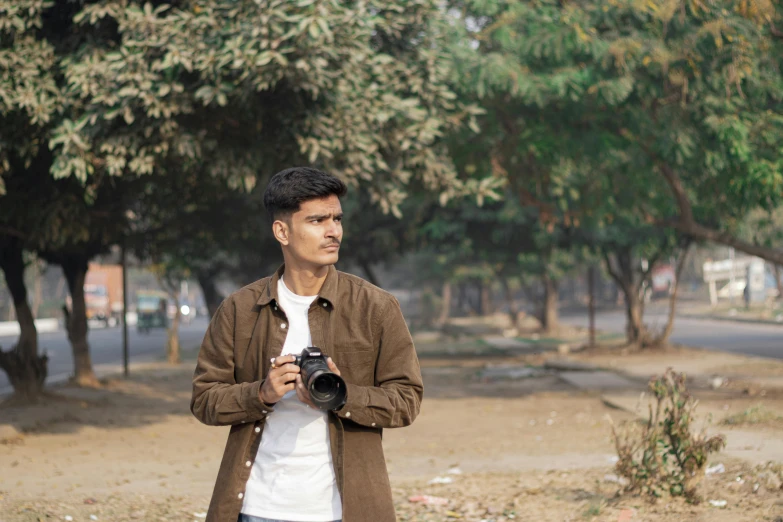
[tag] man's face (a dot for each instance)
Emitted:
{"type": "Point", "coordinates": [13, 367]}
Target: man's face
{"type": "Point", "coordinates": [313, 234]}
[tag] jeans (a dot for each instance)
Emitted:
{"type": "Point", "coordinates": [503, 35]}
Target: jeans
{"type": "Point", "coordinates": [248, 518]}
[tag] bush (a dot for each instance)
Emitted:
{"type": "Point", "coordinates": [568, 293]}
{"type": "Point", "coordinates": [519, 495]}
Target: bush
{"type": "Point", "coordinates": [663, 454]}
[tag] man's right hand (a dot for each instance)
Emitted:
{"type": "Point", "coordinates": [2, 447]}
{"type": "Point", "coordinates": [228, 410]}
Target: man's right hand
{"type": "Point", "coordinates": [280, 380]}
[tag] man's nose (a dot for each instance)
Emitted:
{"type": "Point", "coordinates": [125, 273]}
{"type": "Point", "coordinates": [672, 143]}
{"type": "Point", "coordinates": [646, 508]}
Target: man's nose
{"type": "Point", "coordinates": [334, 229]}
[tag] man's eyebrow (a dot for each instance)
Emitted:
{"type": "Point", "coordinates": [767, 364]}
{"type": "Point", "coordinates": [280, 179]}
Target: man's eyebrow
{"type": "Point", "coordinates": [322, 216]}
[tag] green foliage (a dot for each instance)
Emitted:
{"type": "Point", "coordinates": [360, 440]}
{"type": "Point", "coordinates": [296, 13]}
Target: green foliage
{"type": "Point", "coordinates": [675, 102]}
{"type": "Point", "coordinates": [665, 455]}
{"type": "Point", "coordinates": [29, 95]}
{"type": "Point", "coordinates": [242, 85]}
{"type": "Point", "coordinates": [758, 414]}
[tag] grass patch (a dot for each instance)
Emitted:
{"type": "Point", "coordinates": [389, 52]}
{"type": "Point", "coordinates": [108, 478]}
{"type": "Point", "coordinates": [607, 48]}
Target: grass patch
{"type": "Point", "coordinates": [558, 340]}
{"type": "Point", "coordinates": [594, 509]}
{"type": "Point", "coordinates": [757, 414]}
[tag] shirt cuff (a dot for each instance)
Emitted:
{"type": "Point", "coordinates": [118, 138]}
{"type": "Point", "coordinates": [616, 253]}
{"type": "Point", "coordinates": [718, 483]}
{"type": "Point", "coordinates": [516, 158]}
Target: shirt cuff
{"type": "Point", "coordinates": [254, 408]}
{"type": "Point", "coordinates": [356, 399]}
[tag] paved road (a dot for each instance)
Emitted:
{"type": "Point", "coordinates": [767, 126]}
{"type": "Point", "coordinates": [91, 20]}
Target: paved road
{"type": "Point", "coordinates": [106, 348]}
{"type": "Point", "coordinates": [745, 338]}
{"type": "Point", "coordinates": [106, 344]}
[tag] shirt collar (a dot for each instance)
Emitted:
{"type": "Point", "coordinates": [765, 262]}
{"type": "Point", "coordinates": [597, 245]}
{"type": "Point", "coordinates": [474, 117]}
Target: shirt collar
{"type": "Point", "coordinates": [327, 294]}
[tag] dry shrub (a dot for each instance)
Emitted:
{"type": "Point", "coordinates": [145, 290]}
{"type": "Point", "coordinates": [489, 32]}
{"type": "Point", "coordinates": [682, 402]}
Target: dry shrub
{"type": "Point", "coordinates": [664, 454]}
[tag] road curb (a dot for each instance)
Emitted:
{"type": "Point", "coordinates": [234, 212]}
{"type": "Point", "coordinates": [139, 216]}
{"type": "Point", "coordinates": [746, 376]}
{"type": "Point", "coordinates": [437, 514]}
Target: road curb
{"type": "Point", "coordinates": [731, 319]}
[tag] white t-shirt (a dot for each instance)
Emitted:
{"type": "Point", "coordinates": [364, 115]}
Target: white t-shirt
{"type": "Point", "coordinates": [293, 477]}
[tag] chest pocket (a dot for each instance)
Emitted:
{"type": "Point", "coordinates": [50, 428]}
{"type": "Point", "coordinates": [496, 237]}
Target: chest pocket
{"type": "Point", "coordinates": [354, 359]}
{"type": "Point", "coordinates": [357, 367]}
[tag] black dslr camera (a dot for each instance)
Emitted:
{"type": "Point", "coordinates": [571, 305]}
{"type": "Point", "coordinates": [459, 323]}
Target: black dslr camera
{"type": "Point", "coordinates": [327, 389]}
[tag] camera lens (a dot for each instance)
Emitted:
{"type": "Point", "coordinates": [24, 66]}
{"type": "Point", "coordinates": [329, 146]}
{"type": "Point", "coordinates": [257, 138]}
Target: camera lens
{"type": "Point", "coordinates": [327, 389]}
{"type": "Point", "coordinates": [323, 385]}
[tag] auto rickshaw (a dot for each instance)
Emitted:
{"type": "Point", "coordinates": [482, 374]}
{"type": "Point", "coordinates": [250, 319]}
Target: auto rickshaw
{"type": "Point", "coordinates": [151, 308]}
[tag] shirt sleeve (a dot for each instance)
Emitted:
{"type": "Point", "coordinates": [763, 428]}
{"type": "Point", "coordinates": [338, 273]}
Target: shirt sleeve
{"type": "Point", "coordinates": [395, 400]}
{"type": "Point", "coordinates": [218, 400]}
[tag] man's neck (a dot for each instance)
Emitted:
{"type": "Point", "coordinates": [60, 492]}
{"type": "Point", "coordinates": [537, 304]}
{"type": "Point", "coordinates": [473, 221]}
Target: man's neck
{"type": "Point", "coordinates": [304, 281]}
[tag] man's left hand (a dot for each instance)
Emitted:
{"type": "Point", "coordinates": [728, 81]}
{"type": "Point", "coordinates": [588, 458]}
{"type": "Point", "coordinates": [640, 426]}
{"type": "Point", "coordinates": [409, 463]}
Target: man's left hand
{"type": "Point", "coordinates": [301, 390]}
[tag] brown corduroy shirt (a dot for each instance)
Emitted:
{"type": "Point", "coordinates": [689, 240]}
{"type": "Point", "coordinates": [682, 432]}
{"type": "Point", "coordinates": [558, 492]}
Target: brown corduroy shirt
{"type": "Point", "coordinates": [362, 328]}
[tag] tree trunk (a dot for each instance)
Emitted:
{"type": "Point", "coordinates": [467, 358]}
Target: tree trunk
{"type": "Point", "coordinates": [461, 298]}
{"type": "Point", "coordinates": [623, 274]}
{"type": "Point", "coordinates": [778, 281]}
{"type": "Point", "coordinates": [26, 370]}
{"type": "Point", "coordinates": [513, 309]}
{"type": "Point", "coordinates": [486, 298]}
{"type": "Point", "coordinates": [550, 318]}
{"type": "Point", "coordinates": [172, 344]}
{"type": "Point", "coordinates": [368, 271]}
{"type": "Point", "coordinates": [172, 341]}
{"type": "Point", "coordinates": [75, 270]}
{"type": "Point", "coordinates": [591, 303]}
{"type": "Point", "coordinates": [212, 296]}
{"type": "Point", "coordinates": [37, 290]}
{"type": "Point", "coordinates": [634, 312]}
{"type": "Point", "coordinates": [445, 307]}
{"type": "Point", "coordinates": [663, 339]}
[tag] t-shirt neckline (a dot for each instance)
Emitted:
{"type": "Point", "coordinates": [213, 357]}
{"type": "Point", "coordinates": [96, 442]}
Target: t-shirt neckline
{"type": "Point", "coordinates": [299, 299]}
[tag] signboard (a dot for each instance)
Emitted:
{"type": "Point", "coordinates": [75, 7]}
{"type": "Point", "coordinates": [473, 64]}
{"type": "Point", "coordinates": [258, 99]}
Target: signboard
{"type": "Point", "coordinates": [722, 270]}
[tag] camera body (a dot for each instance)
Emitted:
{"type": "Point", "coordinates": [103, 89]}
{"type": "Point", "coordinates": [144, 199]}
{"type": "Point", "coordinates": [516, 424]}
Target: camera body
{"type": "Point", "coordinates": [327, 389]}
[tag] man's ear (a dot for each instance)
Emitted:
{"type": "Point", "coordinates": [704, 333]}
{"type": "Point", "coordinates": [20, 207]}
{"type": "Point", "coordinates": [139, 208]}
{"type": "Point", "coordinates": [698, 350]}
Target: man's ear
{"type": "Point", "coordinates": [281, 231]}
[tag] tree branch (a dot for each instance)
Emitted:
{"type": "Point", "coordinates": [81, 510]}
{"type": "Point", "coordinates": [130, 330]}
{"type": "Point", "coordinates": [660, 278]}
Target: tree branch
{"type": "Point", "coordinates": [9, 231]}
{"type": "Point", "coordinates": [700, 232]}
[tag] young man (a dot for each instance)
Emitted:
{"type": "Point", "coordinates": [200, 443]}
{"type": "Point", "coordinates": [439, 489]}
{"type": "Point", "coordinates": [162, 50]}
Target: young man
{"type": "Point", "coordinates": [285, 459]}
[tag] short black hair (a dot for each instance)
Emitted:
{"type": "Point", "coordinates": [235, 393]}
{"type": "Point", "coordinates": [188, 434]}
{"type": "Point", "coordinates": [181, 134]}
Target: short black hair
{"type": "Point", "coordinates": [289, 188]}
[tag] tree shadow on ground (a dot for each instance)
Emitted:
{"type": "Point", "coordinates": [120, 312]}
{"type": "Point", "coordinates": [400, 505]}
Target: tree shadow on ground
{"type": "Point", "coordinates": [156, 390]}
{"type": "Point", "coordinates": [152, 392]}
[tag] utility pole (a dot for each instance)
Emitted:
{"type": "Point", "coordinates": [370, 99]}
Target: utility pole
{"type": "Point", "coordinates": [124, 310]}
{"type": "Point", "coordinates": [591, 302]}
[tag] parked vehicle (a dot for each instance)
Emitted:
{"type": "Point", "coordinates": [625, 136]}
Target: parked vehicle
{"type": "Point", "coordinates": [151, 308]}
{"type": "Point", "coordinates": [103, 293]}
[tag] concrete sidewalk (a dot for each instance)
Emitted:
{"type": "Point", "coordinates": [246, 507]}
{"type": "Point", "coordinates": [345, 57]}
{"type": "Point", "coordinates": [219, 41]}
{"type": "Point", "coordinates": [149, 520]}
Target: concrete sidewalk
{"type": "Point", "coordinates": [723, 384]}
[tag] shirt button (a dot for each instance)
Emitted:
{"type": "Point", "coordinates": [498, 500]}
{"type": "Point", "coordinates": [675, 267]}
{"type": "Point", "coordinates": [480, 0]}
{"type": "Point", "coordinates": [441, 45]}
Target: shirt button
{"type": "Point", "coordinates": [258, 429]}
{"type": "Point", "coordinates": [348, 414]}
{"type": "Point", "coordinates": [282, 326]}
{"type": "Point", "coordinates": [240, 495]}
{"type": "Point", "coordinates": [373, 424]}
{"type": "Point", "coordinates": [248, 463]}
{"type": "Point", "coordinates": [264, 411]}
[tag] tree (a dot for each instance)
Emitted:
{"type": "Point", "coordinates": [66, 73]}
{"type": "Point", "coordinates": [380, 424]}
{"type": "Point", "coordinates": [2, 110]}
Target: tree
{"type": "Point", "coordinates": [26, 369]}
{"type": "Point", "coordinates": [101, 93]}
{"type": "Point", "coordinates": [357, 89]}
{"type": "Point", "coordinates": [630, 254]}
{"type": "Point", "coordinates": [29, 101]}
{"type": "Point", "coordinates": [688, 92]}
{"type": "Point", "coordinates": [80, 223]}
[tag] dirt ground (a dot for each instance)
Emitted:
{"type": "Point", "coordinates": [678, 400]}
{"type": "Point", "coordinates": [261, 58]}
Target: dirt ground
{"type": "Point", "coordinates": [482, 450]}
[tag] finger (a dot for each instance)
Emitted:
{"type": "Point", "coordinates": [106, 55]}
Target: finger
{"type": "Point", "coordinates": [284, 369]}
{"type": "Point", "coordinates": [285, 378]}
{"type": "Point", "coordinates": [302, 393]}
{"type": "Point", "coordinates": [300, 389]}
{"type": "Point", "coordinates": [288, 368]}
{"type": "Point", "coordinates": [281, 360]}
{"type": "Point", "coordinates": [332, 366]}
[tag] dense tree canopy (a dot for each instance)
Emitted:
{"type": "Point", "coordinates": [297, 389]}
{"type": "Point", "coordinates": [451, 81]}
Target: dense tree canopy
{"type": "Point", "coordinates": [675, 98]}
